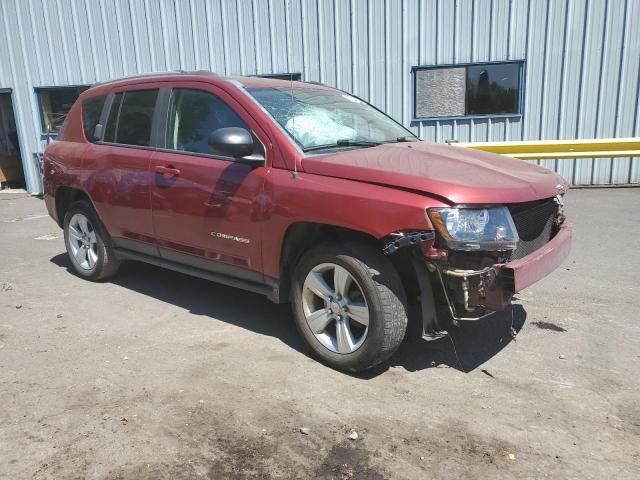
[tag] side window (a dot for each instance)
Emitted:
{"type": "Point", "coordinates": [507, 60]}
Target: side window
{"type": "Point", "coordinates": [130, 118]}
{"type": "Point", "coordinates": [91, 111]}
{"type": "Point", "coordinates": [193, 116]}
{"type": "Point", "coordinates": [136, 114]}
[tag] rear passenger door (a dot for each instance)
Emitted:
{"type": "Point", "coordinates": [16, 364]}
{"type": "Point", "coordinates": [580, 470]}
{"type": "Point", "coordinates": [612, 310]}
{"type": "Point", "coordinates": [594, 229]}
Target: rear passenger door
{"type": "Point", "coordinates": [206, 206]}
{"type": "Point", "coordinates": [120, 162]}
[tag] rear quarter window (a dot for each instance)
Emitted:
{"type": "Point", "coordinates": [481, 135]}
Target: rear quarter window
{"type": "Point", "coordinates": [91, 112]}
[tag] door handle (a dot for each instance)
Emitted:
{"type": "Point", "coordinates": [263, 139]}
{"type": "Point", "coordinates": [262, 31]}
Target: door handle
{"type": "Point", "coordinates": [167, 172]}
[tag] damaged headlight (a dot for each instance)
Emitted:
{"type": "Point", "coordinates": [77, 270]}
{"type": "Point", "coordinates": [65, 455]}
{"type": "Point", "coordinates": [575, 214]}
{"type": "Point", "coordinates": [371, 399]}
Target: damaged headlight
{"type": "Point", "coordinates": [489, 229]}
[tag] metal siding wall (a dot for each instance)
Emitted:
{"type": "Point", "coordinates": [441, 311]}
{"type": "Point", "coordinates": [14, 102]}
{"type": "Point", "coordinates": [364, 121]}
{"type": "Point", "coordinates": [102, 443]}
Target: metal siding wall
{"type": "Point", "coordinates": [582, 71]}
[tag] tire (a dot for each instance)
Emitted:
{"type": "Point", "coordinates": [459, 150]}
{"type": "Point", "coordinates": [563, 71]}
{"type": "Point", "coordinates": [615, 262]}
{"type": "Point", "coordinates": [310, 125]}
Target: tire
{"type": "Point", "coordinates": [324, 314]}
{"type": "Point", "coordinates": [88, 244]}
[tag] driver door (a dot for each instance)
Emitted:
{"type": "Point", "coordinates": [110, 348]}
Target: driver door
{"type": "Point", "coordinates": [205, 205]}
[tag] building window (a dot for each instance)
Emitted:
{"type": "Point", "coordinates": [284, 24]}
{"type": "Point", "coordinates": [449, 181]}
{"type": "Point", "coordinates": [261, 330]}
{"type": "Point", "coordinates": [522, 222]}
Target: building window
{"type": "Point", "coordinates": [296, 76]}
{"type": "Point", "coordinates": [479, 89]}
{"type": "Point", "coordinates": [54, 104]}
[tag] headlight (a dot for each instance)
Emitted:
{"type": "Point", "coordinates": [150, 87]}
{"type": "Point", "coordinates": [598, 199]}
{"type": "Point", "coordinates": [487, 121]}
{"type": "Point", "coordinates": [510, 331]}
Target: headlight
{"type": "Point", "coordinates": [475, 228]}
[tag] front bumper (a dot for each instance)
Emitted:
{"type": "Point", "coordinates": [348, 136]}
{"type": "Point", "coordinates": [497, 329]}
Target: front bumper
{"type": "Point", "coordinates": [528, 270]}
{"type": "Point", "coordinates": [491, 289]}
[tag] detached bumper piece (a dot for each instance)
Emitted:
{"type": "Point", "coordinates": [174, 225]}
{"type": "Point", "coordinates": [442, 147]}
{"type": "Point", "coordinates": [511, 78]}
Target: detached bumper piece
{"type": "Point", "coordinates": [528, 270]}
{"type": "Point", "coordinates": [473, 294]}
{"type": "Point", "coordinates": [400, 240]}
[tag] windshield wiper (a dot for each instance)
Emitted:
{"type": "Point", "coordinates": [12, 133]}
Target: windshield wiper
{"type": "Point", "coordinates": [345, 142]}
{"type": "Point", "coordinates": [403, 139]}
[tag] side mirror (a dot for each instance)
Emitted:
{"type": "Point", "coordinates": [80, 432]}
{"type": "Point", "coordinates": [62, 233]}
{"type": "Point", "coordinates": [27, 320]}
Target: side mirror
{"type": "Point", "coordinates": [233, 141]}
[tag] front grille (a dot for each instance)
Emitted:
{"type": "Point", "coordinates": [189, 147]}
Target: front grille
{"type": "Point", "coordinates": [535, 222]}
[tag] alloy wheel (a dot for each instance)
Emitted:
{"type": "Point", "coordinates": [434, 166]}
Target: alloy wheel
{"type": "Point", "coordinates": [82, 242]}
{"type": "Point", "coordinates": [335, 308]}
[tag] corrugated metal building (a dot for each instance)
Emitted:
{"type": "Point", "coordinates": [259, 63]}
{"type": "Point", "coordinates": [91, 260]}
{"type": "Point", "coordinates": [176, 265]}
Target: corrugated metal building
{"type": "Point", "coordinates": [575, 70]}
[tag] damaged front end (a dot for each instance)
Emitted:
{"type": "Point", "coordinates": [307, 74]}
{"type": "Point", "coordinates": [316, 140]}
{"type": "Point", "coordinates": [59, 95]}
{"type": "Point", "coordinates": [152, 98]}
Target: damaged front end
{"type": "Point", "coordinates": [473, 293]}
{"type": "Point", "coordinates": [479, 257]}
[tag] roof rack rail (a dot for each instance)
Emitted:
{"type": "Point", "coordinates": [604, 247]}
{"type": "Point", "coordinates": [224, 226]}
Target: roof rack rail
{"type": "Point", "coordinates": [158, 74]}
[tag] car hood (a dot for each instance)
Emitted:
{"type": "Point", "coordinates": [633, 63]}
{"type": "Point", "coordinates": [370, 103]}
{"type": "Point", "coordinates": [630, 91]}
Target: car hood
{"type": "Point", "coordinates": [460, 175]}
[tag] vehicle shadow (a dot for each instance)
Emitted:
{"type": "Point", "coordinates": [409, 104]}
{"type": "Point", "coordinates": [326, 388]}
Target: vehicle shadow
{"type": "Point", "coordinates": [464, 349]}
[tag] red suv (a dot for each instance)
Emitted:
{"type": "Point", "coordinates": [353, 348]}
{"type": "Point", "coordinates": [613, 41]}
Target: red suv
{"type": "Point", "coordinates": [305, 194]}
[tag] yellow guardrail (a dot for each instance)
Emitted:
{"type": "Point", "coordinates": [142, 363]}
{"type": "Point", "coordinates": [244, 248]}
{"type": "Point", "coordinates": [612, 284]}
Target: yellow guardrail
{"type": "Point", "coordinates": [541, 149]}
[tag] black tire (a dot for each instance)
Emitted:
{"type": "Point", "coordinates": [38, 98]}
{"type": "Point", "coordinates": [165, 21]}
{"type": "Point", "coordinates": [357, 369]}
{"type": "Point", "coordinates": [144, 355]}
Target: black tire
{"type": "Point", "coordinates": [383, 292]}
{"type": "Point", "coordinates": [106, 264]}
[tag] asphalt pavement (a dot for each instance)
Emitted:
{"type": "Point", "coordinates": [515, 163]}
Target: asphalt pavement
{"type": "Point", "coordinates": [158, 375]}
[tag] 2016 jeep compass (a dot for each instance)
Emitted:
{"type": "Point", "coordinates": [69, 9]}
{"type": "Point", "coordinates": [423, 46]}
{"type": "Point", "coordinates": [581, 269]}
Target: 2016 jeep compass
{"type": "Point", "coordinates": [305, 194]}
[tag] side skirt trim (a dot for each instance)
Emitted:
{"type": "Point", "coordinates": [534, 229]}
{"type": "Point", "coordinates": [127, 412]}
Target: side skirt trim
{"type": "Point", "coordinates": [267, 289]}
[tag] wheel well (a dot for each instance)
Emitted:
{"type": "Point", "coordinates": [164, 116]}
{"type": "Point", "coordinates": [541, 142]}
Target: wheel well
{"type": "Point", "coordinates": [65, 197]}
{"type": "Point", "coordinates": [301, 236]}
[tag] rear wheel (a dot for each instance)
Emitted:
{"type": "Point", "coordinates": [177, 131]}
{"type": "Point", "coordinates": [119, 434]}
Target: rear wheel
{"type": "Point", "coordinates": [88, 244]}
{"type": "Point", "coordinates": [349, 305]}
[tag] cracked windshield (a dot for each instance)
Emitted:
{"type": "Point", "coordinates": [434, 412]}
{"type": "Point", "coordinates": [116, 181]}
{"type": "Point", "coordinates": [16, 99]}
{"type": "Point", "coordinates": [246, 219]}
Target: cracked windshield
{"type": "Point", "coordinates": [319, 118]}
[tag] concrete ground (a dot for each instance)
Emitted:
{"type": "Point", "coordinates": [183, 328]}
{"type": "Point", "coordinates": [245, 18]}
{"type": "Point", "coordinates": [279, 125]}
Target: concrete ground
{"type": "Point", "coordinates": [159, 375]}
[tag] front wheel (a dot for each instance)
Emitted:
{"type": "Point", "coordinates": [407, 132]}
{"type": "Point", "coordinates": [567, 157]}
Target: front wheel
{"type": "Point", "coordinates": [349, 305]}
